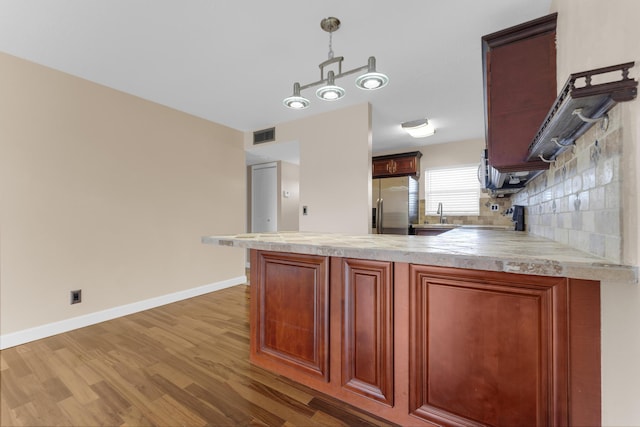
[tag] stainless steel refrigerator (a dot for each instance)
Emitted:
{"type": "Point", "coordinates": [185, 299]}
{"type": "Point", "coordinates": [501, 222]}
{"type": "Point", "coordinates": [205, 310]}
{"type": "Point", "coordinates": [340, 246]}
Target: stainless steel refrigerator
{"type": "Point", "coordinates": [394, 205]}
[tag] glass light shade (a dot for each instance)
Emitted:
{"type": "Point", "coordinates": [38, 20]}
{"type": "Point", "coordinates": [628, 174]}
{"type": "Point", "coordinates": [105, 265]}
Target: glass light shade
{"type": "Point", "coordinates": [296, 102]}
{"type": "Point", "coordinates": [372, 80]}
{"type": "Point", "coordinates": [419, 128]}
{"type": "Point", "coordinates": [330, 92]}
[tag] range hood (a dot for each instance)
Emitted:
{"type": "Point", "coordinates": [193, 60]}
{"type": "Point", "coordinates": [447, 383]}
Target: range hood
{"type": "Point", "coordinates": [501, 184]}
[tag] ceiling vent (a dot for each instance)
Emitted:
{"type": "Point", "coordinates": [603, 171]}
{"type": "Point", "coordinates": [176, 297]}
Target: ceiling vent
{"type": "Point", "coordinates": [265, 135]}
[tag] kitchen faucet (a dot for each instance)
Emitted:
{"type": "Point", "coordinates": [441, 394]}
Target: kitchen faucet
{"type": "Point", "coordinates": [439, 212]}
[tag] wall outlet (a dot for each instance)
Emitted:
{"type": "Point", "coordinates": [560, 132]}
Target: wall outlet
{"type": "Point", "coordinates": [76, 296]}
{"type": "Point", "coordinates": [495, 207]}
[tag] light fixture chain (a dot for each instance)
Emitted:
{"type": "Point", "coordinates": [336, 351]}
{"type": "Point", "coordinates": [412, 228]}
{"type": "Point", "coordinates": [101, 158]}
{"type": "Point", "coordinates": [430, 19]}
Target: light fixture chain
{"type": "Point", "coordinates": [330, 44]}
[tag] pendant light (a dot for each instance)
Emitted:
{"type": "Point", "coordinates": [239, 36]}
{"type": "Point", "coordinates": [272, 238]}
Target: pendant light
{"type": "Point", "coordinates": [328, 90]}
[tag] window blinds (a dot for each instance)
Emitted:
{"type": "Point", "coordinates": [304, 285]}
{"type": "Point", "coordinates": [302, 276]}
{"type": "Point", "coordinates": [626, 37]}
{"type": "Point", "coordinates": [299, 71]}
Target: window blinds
{"type": "Point", "coordinates": [456, 188]}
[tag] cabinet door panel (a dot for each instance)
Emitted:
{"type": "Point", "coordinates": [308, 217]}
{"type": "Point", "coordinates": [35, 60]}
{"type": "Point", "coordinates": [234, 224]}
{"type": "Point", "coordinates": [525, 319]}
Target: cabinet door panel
{"type": "Point", "coordinates": [406, 165]}
{"type": "Point", "coordinates": [403, 164]}
{"type": "Point", "coordinates": [520, 86]}
{"type": "Point", "coordinates": [367, 357]}
{"type": "Point", "coordinates": [292, 311]}
{"type": "Point", "coordinates": [523, 88]}
{"type": "Point", "coordinates": [486, 351]}
{"type": "Point", "coordinates": [381, 168]}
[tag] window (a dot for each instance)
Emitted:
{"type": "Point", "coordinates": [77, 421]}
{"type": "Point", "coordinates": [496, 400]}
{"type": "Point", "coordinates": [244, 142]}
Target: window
{"type": "Point", "coordinates": [456, 188]}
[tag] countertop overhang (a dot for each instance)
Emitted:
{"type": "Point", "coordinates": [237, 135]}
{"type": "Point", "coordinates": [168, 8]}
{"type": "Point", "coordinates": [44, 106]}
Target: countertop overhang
{"type": "Point", "coordinates": [468, 248]}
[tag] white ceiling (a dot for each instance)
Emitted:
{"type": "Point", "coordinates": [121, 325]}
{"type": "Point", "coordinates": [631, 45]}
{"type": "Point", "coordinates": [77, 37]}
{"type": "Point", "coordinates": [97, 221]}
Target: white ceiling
{"type": "Point", "coordinates": [233, 62]}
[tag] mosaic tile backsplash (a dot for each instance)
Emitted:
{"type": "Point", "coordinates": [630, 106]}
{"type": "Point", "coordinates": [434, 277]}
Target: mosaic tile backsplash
{"type": "Point", "coordinates": [577, 201]}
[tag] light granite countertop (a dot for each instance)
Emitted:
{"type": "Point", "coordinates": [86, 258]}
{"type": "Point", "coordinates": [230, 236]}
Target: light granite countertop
{"type": "Point", "coordinates": [470, 248]}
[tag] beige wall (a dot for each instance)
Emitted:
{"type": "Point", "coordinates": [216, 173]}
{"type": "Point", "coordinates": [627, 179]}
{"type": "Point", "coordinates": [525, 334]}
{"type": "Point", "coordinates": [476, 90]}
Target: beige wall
{"type": "Point", "coordinates": [335, 162]}
{"type": "Point", "coordinates": [288, 181]}
{"type": "Point", "coordinates": [592, 34]}
{"type": "Point", "coordinates": [108, 193]}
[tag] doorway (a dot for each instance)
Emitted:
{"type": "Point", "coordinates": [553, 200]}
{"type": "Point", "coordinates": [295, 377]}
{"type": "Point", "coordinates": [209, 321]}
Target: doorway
{"type": "Point", "coordinates": [264, 198]}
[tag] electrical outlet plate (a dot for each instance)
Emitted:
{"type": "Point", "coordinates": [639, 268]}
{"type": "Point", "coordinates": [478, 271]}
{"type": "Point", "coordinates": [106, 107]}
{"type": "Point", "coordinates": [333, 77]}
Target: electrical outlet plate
{"type": "Point", "coordinates": [495, 207]}
{"type": "Point", "coordinates": [76, 296]}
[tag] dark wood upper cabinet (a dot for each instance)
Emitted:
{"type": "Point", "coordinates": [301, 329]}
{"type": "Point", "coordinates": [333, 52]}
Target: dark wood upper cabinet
{"type": "Point", "coordinates": [519, 73]}
{"type": "Point", "coordinates": [404, 164]}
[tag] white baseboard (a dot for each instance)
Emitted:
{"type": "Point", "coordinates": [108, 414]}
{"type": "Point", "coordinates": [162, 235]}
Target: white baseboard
{"type": "Point", "coordinates": [50, 329]}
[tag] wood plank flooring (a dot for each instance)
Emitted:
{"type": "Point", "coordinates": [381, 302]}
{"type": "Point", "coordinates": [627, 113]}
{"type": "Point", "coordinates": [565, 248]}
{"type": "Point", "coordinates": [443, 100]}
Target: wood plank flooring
{"type": "Point", "coordinates": [183, 364]}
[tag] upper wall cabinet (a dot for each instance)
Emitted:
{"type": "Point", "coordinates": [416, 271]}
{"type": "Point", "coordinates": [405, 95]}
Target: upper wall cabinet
{"type": "Point", "coordinates": [519, 72]}
{"type": "Point", "coordinates": [404, 164]}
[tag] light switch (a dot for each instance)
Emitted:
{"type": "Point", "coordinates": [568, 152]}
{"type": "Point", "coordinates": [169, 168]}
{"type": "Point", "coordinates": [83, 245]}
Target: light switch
{"type": "Point", "coordinates": [286, 194]}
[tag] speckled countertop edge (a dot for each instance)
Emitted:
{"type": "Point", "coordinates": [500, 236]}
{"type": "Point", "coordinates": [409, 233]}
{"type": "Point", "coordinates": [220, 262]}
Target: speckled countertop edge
{"type": "Point", "coordinates": [491, 250]}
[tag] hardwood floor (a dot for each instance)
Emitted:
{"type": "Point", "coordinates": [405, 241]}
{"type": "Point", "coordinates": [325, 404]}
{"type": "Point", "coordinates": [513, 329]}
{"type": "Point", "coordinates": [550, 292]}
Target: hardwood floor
{"type": "Point", "coordinates": [183, 364]}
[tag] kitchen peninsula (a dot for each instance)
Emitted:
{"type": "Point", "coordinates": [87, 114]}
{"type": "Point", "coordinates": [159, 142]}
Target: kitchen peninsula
{"type": "Point", "coordinates": [470, 327]}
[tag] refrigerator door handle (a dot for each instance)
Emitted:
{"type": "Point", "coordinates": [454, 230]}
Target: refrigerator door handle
{"type": "Point", "coordinates": [377, 224]}
{"type": "Point", "coordinates": [380, 214]}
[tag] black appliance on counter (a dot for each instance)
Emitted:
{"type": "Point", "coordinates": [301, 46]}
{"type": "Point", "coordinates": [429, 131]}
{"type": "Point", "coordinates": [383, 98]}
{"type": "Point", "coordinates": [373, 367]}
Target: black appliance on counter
{"type": "Point", "coordinates": [518, 217]}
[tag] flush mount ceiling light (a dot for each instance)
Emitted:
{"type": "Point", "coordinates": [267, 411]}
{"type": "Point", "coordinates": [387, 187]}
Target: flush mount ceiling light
{"type": "Point", "coordinates": [328, 90]}
{"type": "Point", "coordinates": [419, 128]}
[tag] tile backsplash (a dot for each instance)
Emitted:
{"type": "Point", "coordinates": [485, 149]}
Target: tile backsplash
{"type": "Point", "coordinates": [487, 217]}
{"type": "Point", "coordinates": [577, 201]}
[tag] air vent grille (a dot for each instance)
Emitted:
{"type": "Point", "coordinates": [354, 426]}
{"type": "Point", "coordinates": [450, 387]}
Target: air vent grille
{"type": "Point", "coordinates": [265, 135]}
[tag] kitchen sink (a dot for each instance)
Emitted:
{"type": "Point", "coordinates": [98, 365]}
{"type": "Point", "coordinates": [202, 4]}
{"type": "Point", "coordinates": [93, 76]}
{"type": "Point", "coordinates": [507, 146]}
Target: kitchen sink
{"type": "Point", "coordinates": [435, 229]}
{"type": "Point", "coordinates": [487, 227]}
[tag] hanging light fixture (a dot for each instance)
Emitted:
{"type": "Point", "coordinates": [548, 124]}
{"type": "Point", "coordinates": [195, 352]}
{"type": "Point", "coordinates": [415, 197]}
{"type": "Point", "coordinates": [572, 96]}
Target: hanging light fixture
{"type": "Point", "coordinates": [371, 80]}
{"type": "Point", "coordinates": [296, 101]}
{"type": "Point", "coordinates": [329, 91]}
{"type": "Point", "coordinates": [419, 128]}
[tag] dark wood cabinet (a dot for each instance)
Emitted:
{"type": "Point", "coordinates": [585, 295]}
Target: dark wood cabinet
{"type": "Point", "coordinates": [519, 71]}
{"type": "Point", "coordinates": [488, 348]}
{"type": "Point", "coordinates": [404, 164]}
{"type": "Point", "coordinates": [424, 345]}
{"type": "Point", "coordinates": [290, 312]}
{"type": "Point", "coordinates": [367, 329]}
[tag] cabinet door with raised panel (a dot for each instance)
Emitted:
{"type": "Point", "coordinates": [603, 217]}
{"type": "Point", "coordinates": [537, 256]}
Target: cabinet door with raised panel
{"type": "Point", "coordinates": [520, 87]}
{"type": "Point", "coordinates": [407, 165]}
{"type": "Point", "coordinates": [290, 313]}
{"type": "Point", "coordinates": [488, 348]}
{"type": "Point", "coordinates": [367, 329]}
{"type": "Point", "coordinates": [381, 168]}
{"type": "Point", "coordinates": [403, 164]}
